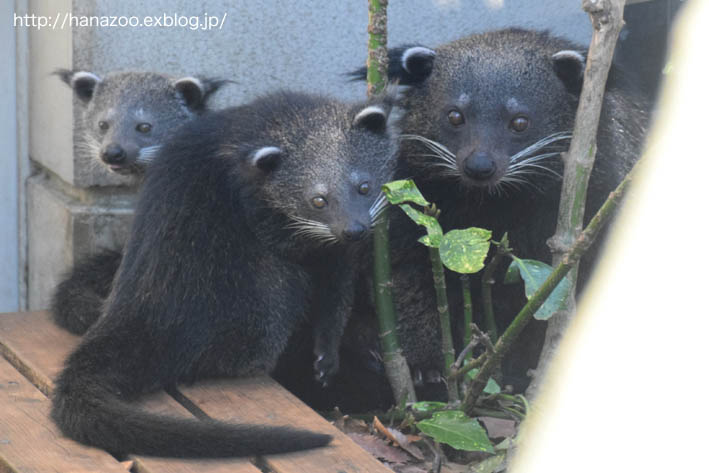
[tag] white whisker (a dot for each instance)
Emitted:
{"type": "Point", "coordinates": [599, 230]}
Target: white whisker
{"type": "Point", "coordinates": [147, 155]}
{"type": "Point", "coordinates": [533, 148]}
{"type": "Point", "coordinates": [438, 149]}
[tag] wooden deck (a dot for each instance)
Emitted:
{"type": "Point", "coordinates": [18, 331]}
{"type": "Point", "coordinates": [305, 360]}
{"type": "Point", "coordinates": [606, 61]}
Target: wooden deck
{"type": "Point", "coordinates": [34, 349]}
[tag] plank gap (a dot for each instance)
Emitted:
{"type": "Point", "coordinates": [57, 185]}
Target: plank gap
{"type": "Point", "coordinates": [187, 403]}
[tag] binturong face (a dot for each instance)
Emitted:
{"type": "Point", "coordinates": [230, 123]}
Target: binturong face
{"type": "Point", "coordinates": [491, 111]}
{"type": "Point", "coordinates": [324, 166]}
{"type": "Point", "coordinates": [127, 116]}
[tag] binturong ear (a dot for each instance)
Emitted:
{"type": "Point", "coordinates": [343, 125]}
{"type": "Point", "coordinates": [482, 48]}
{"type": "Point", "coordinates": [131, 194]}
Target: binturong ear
{"type": "Point", "coordinates": [417, 63]}
{"type": "Point", "coordinates": [192, 92]}
{"type": "Point", "coordinates": [266, 159]}
{"type": "Point", "coordinates": [569, 67]}
{"type": "Point", "coordinates": [408, 65]}
{"type": "Point", "coordinates": [371, 118]}
{"type": "Point", "coordinates": [82, 82]}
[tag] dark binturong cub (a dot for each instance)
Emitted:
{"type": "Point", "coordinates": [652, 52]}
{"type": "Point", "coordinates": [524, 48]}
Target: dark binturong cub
{"type": "Point", "coordinates": [249, 225]}
{"type": "Point", "coordinates": [125, 118]}
{"type": "Point", "coordinates": [488, 118]}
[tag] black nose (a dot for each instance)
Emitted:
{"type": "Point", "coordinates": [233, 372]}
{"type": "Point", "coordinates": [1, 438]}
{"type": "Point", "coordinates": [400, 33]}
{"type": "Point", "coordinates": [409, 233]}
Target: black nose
{"type": "Point", "coordinates": [480, 166]}
{"type": "Point", "coordinates": [113, 154]}
{"type": "Point", "coordinates": [354, 232]}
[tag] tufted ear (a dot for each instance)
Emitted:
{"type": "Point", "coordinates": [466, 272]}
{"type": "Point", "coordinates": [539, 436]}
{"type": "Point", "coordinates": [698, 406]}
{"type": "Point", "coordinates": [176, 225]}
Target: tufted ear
{"type": "Point", "coordinates": [417, 62]}
{"type": "Point", "coordinates": [266, 158]}
{"type": "Point", "coordinates": [408, 65]}
{"type": "Point", "coordinates": [569, 67]}
{"type": "Point", "coordinates": [82, 82]}
{"type": "Point", "coordinates": [372, 118]}
{"type": "Point", "coordinates": [191, 90]}
{"type": "Point", "coordinates": [196, 91]}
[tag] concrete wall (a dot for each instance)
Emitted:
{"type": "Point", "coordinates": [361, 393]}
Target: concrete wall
{"type": "Point", "coordinates": [262, 46]}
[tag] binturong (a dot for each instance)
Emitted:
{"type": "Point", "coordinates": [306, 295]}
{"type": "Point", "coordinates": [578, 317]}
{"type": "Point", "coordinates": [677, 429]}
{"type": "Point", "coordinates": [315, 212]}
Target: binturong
{"type": "Point", "coordinates": [250, 224]}
{"type": "Point", "coordinates": [125, 118]}
{"type": "Point", "coordinates": [488, 118]}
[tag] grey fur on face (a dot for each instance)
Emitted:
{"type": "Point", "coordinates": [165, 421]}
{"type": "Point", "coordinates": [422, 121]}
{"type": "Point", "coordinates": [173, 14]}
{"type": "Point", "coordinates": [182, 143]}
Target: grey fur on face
{"type": "Point", "coordinates": [349, 151]}
{"type": "Point", "coordinates": [127, 116]}
{"type": "Point", "coordinates": [495, 110]}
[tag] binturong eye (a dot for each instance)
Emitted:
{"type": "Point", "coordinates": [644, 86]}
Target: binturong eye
{"type": "Point", "coordinates": [319, 202]}
{"type": "Point", "coordinates": [456, 118]}
{"type": "Point", "coordinates": [363, 188]}
{"type": "Point", "coordinates": [519, 123]}
{"type": "Point", "coordinates": [144, 127]}
{"type": "Point", "coordinates": [102, 125]}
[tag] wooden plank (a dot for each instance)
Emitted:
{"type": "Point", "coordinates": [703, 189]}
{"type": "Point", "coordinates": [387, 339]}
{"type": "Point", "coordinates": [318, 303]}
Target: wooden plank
{"type": "Point", "coordinates": [173, 465]}
{"type": "Point", "coordinates": [263, 401]}
{"type": "Point", "coordinates": [29, 442]}
{"type": "Point", "coordinates": [37, 347]}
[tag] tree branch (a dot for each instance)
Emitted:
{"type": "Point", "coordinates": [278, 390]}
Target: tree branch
{"type": "Point", "coordinates": [568, 261]}
{"type": "Point", "coordinates": [607, 19]}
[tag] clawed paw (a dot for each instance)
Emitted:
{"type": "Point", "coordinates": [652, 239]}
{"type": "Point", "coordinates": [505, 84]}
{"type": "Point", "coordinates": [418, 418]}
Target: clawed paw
{"type": "Point", "coordinates": [325, 368]}
{"type": "Point", "coordinates": [417, 377]}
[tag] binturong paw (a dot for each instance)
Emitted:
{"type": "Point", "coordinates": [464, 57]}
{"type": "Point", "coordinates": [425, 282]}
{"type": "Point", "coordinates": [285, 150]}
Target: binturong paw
{"type": "Point", "coordinates": [326, 366]}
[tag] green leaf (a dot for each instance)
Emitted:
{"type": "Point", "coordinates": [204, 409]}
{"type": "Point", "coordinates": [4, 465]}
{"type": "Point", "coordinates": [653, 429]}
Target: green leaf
{"type": "Point", "coordinates": [457, 430]}
{"type": "Point", "coordinates": [428, 241]}
{"type": "Point", "coordinates": [431, 224]}
{"type": "Point", "coordinates": [490, 465]}
{"type": "Point", "coordinates": [428, 406]}
{"type": "Point", "coordinates": [464, 251]}
{"type": "Point", "coordinates": [398, 192]}
{"type": "Point", "coordinates": [512, 275]}
{"type": "Point", "coordinates": [534, 273]}
{"type": "Point", "coordinates": [491, 387]}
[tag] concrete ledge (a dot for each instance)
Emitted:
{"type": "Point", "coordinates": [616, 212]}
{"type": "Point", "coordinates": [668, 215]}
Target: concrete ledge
{"type": "Point", "coordinates": [66, 224]}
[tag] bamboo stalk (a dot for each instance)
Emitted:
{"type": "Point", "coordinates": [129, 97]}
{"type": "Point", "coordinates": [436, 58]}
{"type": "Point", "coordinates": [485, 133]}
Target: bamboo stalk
{"type": "Point", "coordinates": [394, 362]}
{"type": "Point", "coordinates": [467, 314]}
{"type": "Point", "coordinates": [439, 283]}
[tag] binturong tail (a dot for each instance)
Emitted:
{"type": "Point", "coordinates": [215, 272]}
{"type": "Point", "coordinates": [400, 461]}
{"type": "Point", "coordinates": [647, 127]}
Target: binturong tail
{"type": "Point", "coordinates": [90, 414]}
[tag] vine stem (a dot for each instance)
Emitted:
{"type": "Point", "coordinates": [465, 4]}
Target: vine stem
{"type": "Point", "coordinates": [467, 314]}
{"type": "Point", "coordinates": [488, 279]}
{"type": "Point", "coordinates": [395, 365]}
{"type": "Point", "coordinates": [439, 282]}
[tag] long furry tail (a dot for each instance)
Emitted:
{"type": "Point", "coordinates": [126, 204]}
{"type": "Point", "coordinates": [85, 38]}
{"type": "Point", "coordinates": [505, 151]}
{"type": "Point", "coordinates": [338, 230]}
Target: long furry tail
{"type": "Point", "coordinates": [92, 415]}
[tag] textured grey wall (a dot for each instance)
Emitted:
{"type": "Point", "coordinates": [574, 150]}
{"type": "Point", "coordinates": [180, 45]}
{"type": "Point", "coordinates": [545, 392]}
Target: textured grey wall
{"type": "Point", "coordinates": [271, 44]}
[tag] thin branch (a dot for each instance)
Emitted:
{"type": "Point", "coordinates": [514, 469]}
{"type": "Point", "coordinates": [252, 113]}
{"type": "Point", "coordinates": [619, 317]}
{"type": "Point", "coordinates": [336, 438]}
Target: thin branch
{"type": "Point", "coordinates": [484, 338]}
{"type": "Point", "coordinates": [607, 19]}
{"type": "Point", "coordinates": [467, 315]}
{"type": "Point", "coordinates": [439, 283]}
{"type": "Point", "coordinates": [583, 242]}
{"type": "Point", "coordinates": [488, 279]}
{"type": "Point", "coordinates": [470, 366]}
{"type": "Point", "coordinates": [464, 355]}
